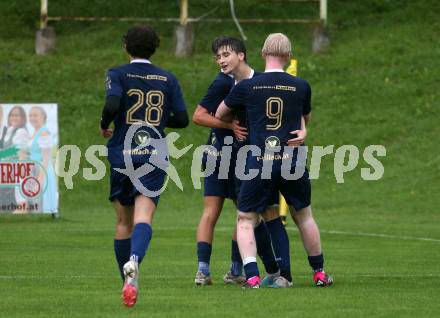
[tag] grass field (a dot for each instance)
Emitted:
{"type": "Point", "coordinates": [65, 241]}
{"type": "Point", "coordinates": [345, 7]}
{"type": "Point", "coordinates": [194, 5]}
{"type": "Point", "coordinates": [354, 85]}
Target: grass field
{"type": "Point", "coordinates": [378, 84]}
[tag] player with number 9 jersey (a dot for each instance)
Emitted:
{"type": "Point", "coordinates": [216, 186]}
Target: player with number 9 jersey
{"type": "Point", "coordinates": [276, 105]}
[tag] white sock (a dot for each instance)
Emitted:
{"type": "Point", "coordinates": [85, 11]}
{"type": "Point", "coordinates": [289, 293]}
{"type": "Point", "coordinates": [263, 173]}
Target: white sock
{"type": "Point", "coordinates": [249, 259]}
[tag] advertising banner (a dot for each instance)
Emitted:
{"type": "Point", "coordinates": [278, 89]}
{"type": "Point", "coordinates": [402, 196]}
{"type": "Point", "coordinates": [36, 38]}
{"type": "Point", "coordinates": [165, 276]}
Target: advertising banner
{"type": "Point", "coordinates": [28, 144]}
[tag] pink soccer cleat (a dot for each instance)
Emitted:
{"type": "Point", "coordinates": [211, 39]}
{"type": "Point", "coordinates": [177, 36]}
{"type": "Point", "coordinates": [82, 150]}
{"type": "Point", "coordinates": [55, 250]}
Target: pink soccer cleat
{"type": "Point", "coordinates": [130, 290]}
{"type": "Point", "coordinates": [321, 279]}
{"type": "Point", "coordinates": [129, 295]}
{"type": "Point", "coordinates": [253, 282]}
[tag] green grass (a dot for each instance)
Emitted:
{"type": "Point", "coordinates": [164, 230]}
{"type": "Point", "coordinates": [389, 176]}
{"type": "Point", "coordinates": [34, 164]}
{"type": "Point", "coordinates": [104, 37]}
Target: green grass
{"type": "Point", "coordinates": [376, 85]}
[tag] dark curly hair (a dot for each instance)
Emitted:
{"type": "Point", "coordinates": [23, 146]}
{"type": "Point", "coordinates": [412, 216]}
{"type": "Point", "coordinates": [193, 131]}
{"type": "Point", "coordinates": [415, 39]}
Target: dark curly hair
{"type": "Point", "coordinates": [141, 41]}
{"type": "Point", "coordinates": [236, 45]}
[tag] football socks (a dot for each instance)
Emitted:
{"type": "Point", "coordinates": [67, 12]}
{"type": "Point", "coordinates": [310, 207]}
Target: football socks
{"type": "Point", "coordinates": [317, 262]}
{"type": "Point", "coordinates": [264, 248]}
{"type": "Point", "coordinates": [204, 250]}
{"type": "Point", "coordinates": [236, 262]}
{"type": "Point", "coordinates": [122, 253]}
{"type": "Point", "coordinates": [140, 239]}
{"type": "Point", "coordinates": [250, 267]}
{"type": "Point", "coordinates": [280, 242]}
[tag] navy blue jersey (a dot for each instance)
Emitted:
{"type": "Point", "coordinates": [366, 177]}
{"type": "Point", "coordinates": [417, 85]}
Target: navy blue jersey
{"type": "Point", "coordinates": [213, 184]}
{"type": "Point", "coordinates": [148, 96]}
{"type": "Point", "coordinates": [274, 103]}
{"type": "Point", "coordinates": [217, 91]}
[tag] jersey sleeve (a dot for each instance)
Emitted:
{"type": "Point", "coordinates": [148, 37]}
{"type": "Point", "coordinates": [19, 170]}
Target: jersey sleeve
{"type": "Point", "coordinates": [113, 85]}
{"type": "Point", "coordinates": [307, 100]}
{"type": "Point", "coordinates": [237, 97]}
{"type": "Point", "coordinates": [178, 104]}
{"type": "Point", "coordinates": [217, 92]}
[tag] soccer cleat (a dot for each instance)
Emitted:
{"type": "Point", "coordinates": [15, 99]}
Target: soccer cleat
{"type": "Point", "coordinates": [321, 279]}
{"type": "Point", "coordinates": [275, 281]}
{"type": "Point", "coordinates": [202, 279]}
{"type": "Point", "coordinates": [229, 278]}
{"type": "Point", "coordinates": [253, 282]}
{"type": "Point", "coordinates": [130, 290]}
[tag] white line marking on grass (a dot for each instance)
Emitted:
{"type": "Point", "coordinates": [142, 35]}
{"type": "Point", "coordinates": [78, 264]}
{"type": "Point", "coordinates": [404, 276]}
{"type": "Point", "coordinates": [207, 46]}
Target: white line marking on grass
{"type": "Point", "coordinates": [388, 236]}
{"type": "Point", "coordinates": [396, 237]}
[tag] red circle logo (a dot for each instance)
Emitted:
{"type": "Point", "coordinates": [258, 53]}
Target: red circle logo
{"type": "Point", "coordinates": [30, 187]}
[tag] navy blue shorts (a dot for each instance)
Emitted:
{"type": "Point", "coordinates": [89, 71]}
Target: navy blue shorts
{"type": "Point", "coordinates": [122, 188]}
{"type": "Point", "coordinates": [225, 188]}
{"type": "Point", "coordinates": [215, 186]}
{"type": "Point", "coordinates": [273, 195]}
{"type": "Point", "coordinates": [256, 194]}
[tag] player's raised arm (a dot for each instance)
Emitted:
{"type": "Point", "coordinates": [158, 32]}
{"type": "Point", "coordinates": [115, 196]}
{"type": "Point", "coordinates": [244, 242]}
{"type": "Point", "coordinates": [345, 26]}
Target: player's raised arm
{"type": "Point", "coordinates": [205, 110]}
{"type": "Point", "coordinates": [202, 117]}
{"type": "Point", "coordinates": [235, 100]}
{"type": "Point", "coordinates": [223, 111]}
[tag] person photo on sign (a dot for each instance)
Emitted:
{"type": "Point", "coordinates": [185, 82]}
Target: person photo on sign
{"type": "Point", "coordinates": [40, 150]}
{"type": "Point", "coordinates": [15, 136]}
{"type": "Point", "coordinates": [2, 128]}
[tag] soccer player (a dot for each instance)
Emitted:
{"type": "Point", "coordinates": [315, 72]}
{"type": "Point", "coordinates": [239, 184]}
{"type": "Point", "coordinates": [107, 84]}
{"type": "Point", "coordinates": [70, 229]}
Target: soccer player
{"type": "Point", "coordinates": [275, 104]}
{"type": "Point", "coordinates": [141, 99]}
{"type": "Point", "coordinates": [230, 54]}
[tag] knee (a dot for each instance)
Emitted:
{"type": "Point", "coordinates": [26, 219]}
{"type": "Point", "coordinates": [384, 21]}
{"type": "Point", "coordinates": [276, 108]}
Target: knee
{"type": "Point", "coordinates": [247, 219]}
{"type": "Point", "coordinates": [270, 214]}
{"type": "Point", "coordinates": [295, 217]}
{"type": "Point", "coordinates": [210, 215]}
{"type": "Point", "coordinates": [124, 222]}
{"type": "Point", "coordinates": [124, 229]}
{"type": "Point", "coordinates": [303, 216]}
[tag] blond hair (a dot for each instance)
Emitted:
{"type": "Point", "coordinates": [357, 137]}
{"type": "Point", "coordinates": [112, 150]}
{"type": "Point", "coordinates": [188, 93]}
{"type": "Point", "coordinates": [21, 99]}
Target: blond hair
{"type": "Point", "coordinates": [277, 44]}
